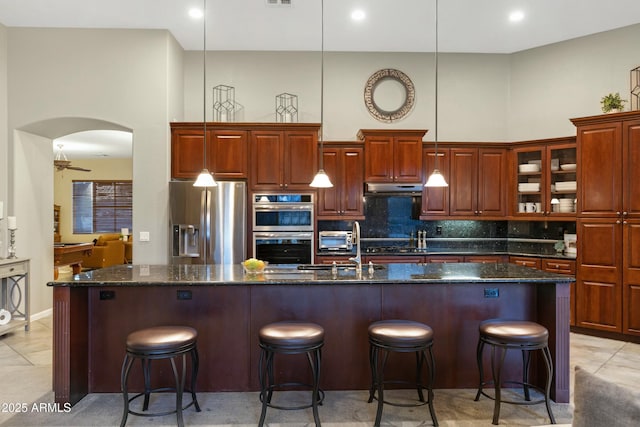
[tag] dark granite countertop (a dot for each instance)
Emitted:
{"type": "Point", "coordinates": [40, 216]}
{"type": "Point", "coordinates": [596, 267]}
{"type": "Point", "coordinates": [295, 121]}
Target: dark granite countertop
{"type": "Point", "coordinates": [229, 275]}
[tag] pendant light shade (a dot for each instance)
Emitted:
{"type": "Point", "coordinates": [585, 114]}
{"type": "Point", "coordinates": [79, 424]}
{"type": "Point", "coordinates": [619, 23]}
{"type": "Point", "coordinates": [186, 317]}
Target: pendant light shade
{"type": "Point", "coordinates": [205, 179]}
{"type": "Point", "coordinates": [436, 179]}
{"type": "Point", "coordinates": [321, 180]}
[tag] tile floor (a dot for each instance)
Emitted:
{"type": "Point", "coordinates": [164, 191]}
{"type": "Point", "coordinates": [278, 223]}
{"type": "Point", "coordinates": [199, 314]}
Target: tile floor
{"type": "Point", "coordinates": [25, 379]}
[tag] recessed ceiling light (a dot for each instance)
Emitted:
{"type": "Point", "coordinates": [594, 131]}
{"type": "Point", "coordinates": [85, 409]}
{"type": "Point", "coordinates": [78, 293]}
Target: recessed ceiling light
{"type": "Point", "coordinates": [358, 15]}
{"type": "Point", "coordinates": [516, 16]}
{"type": "Point", "coordinates": [195, 13]}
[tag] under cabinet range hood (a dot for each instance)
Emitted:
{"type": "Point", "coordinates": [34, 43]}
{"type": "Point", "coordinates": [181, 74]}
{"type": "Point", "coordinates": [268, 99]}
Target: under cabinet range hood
{"type": "Point", "coordinates": [393, 188]}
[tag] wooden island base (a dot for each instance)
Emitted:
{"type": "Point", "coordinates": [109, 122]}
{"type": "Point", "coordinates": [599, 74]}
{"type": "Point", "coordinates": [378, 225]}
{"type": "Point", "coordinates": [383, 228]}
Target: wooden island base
{"type": "Point", "coordinates": [91, 324]}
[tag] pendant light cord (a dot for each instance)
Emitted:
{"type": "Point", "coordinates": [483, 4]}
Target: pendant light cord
{"type": "Point", "coordinates": [204, 80]}
{"type": "Point", "coordinates": [436, 88]}
{"type": "Point", "coordinates": [322, 84]}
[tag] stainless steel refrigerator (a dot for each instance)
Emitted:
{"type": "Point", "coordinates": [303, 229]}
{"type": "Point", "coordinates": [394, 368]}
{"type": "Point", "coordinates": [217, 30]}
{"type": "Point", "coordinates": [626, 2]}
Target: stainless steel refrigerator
{"type": "Point", "coordinates": [208, 226]}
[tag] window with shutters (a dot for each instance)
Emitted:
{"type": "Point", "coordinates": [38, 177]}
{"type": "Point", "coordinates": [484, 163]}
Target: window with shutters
{"type": "Point", "coordinates": [102, 206]}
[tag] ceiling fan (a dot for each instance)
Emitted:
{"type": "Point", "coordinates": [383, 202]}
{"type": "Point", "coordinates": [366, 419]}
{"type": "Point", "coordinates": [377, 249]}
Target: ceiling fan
{"type": "Point", "coordinates": [61, 162]}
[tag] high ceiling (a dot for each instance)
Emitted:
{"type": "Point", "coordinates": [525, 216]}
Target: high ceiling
{"type": "Point", "coordinates": [471, 26]}
{"type": "Point", "coordinates": [480, 26]}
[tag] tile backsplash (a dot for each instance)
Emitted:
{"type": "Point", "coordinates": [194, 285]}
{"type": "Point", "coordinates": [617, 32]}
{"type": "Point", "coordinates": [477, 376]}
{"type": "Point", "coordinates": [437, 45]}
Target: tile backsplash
{"type": "Point", "coordinates": [392, 219]}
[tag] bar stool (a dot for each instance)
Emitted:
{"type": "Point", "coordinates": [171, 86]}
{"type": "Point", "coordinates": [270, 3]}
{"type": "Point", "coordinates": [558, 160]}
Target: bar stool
{"type": "Point", "coordinates": [161, 342]}
{"type": "Point", "coordinates": [503, 335]}
{"type": "Point", "coordinates": [403, 336]}
{"type": "Point", "coordinates": [290, 337]}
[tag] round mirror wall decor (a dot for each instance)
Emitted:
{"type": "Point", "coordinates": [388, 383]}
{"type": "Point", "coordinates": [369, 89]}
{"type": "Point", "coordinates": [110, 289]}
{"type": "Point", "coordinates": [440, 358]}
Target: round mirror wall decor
{"type": "Point", "coordinates": [396, 85]}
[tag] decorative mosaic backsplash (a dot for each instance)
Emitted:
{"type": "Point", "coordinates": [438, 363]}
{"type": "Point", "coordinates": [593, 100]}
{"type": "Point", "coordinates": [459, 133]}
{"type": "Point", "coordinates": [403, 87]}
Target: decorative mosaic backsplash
{"type": "Point", "coordinates": [390, 220]}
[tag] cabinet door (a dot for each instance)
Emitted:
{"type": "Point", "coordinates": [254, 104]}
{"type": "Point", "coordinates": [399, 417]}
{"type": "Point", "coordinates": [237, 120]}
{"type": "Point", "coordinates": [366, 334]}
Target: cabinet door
{"type": "Point", "coordinates": [352, 178]}
{"type": "Point", "coordinates": [528, 166]}
{"type": "Point", "coordinates": [435, 200]}
{"type": "Point", "coordinates": [599, 169]}
{"type": "Point", "coordinates": [631, 169]}
{"type": "Point", "coordinates": [378, 165]}
{"type": "Point", "coordinates": [187, 150]}
{"type": "Point", "coordinates": [631, 277]}
{"type": "Point", "coordinates": [266, 160]}
{"type": "Point", "coordinates": [492, 175]}
{"type": "Point", "coordinates": [407, 159]}
{"type": "Point", "coordinates": [329, 203]}
{"type": "Point", "coordinates": [463, 187]}
{"type": "Point", "coordinates": [300, 159]}
{"type": "Point", "coordinates": [562, 169]}
{"type": "Point", "coordinates": [598, 287]}
{"type": "Point", "coordinates": [344, 166]}
{"type": "Point", "coordinates": [228, 151]}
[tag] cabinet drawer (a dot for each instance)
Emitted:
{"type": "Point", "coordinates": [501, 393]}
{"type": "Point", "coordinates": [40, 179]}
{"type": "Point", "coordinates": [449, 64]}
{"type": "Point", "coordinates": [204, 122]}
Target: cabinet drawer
{"type": "Point", "coordinates": [13, 269]}
{"type": "Point", "coordinates": [559, 266]}
{"type": "Point", "coordinates": [525, 261]}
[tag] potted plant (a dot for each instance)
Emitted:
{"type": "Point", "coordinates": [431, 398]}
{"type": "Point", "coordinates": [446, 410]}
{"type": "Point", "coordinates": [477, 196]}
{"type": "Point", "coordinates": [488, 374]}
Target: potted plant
{"type": "Point", "coordinates": [612, 103]}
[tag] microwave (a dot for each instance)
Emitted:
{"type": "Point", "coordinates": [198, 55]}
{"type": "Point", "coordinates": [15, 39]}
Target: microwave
{"type": "Point", "coordinates": [335, 240]}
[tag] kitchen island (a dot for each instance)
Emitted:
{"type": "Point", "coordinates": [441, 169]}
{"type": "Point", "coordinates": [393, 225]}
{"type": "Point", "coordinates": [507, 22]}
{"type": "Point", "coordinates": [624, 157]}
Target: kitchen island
{"type": "Point", "coordinates": [94, 311]}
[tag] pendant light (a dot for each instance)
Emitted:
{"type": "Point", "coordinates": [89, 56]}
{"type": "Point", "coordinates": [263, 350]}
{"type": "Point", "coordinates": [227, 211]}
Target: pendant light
{"type": "Point", "coordinates": [205, 179]}
{"type": "Point", "coordinates": [436, 179]}
{"type": "Point", "coordinates": [321, 180]}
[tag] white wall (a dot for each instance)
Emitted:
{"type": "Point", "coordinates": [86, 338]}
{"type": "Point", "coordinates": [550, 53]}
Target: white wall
{"type": "Point", "coordinates": [473, 88]}
{"type": "Point", "coordinates": [4, 146]}
{"type": "Point", "coordinates": [551, 84]}
{"type": "Point", "coordinates": [119, 76]}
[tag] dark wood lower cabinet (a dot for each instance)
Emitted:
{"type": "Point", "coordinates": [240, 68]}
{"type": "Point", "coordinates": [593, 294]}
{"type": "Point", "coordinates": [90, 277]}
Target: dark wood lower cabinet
{"type": "Point", "coordinates": [91, 326]}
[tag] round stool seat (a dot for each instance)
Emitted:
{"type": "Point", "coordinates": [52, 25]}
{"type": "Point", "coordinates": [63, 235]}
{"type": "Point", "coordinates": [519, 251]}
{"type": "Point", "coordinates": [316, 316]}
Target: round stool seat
{"type": "Point", "coordinates": [291, 334]}
{"type": "Point", "coordinates": [514, 331]}
{"type": "Point", "coordinates": [400, 333]}
{"type": "Point", "coordinates": [161, 339]}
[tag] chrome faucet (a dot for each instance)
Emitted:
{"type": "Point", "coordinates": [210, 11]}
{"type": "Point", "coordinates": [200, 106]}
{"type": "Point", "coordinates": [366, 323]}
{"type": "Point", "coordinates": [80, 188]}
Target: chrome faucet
{"type": "Point", "coordinates": [356, 239]}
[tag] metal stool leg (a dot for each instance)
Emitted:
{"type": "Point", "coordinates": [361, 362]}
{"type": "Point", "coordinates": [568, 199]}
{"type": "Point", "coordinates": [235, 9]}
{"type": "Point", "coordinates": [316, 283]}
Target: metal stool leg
{"type": "Point", "coordinates": [314, 362]}
{"type": "Point", "coordinates": [497, 378]}
{"type": "Point", "coordinates": [432, 375]}
{"type": "Point", "coordinates": [146, 371]}
{"type": "Point", "coordinates": [265, 389]}
{"type": "Point", "coordinates": [526, 358]}
{"type": "Point", "coordinates": [195, 366]}
{"type": "Point", "coordinates": [419, 362]}
{"type": "Point", "coordinates": [479, 351]}
{"type": "Point", "coordinates": [380, 377]}
{"type": "Point", "coordinates": [372, 354]}
{"type": "Point", "coordinates": [549, 363]}
{"type": "Point", "coordinates": [126, 367]}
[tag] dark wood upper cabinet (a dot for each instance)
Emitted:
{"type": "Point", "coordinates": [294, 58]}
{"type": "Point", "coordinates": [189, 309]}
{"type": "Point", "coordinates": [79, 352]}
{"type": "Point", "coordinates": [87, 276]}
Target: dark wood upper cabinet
{"type": "Point", "coordinates": [345, 168]}
{"type": "Point", "coordinates": [478, 182]}
{"type": "Point", "coordinates": [227, 151]}
{"type": "Point", "coordinates": [283, 159]}
{"type": "Point", "coordinates": [392, 155]}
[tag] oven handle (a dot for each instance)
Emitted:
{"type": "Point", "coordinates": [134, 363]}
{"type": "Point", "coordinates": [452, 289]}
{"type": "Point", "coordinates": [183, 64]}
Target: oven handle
{"type": "Point", "coordinates": [282, 235]}
{"type": "Point", "coordinates": [283, 207]}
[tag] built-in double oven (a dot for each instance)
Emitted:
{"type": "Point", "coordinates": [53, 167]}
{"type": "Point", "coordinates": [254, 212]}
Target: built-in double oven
{"type": "Point", "coordinates": [283, 228]}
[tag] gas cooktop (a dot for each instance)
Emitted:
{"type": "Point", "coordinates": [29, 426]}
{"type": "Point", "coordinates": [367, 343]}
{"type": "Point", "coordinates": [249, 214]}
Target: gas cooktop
{"type": "Point", "coordinates": [390, 250]}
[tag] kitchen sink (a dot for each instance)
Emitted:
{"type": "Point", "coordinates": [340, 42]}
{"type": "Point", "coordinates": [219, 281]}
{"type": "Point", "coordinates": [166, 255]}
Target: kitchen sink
{"type": "Point", "coordinates": [339, 266]}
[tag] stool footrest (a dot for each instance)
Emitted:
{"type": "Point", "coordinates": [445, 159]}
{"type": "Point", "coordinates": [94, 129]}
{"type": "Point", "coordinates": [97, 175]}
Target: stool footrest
{"type": "Point", "coordinates": [160, 414]}
{"type": "Point", "coordinates": [513, 402]}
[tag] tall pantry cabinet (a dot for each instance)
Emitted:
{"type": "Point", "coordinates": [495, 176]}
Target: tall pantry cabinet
{"type": "Point", "coordinates": [608, 222]}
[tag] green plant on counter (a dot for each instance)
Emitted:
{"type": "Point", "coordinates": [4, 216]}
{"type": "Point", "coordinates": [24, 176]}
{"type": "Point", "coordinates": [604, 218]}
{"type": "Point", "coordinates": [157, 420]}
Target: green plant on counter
{"type": "Point", "coordinates": [612, 102]}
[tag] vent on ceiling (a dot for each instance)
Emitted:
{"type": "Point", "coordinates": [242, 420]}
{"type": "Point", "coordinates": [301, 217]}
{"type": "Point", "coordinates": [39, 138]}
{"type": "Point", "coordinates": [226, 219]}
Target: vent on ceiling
{"type": "Point", "coordinates": [278, 2]}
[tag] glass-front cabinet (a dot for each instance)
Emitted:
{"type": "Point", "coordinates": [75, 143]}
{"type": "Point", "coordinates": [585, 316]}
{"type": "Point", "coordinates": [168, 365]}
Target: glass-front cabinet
{"type": "Point", "coordinates": [545, 179]}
